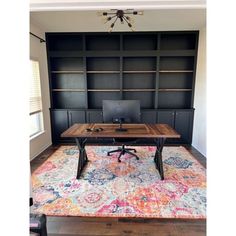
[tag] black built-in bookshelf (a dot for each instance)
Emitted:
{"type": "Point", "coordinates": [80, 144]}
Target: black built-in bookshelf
{"type": "Point", "coordinates": [157, 68]}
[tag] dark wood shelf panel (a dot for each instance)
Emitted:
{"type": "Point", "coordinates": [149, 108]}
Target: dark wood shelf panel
{"type": "Point", "coordinates": [64, 42]}
{"type": "Point", "coordinates": [139, 90]}
{"type": "Point", "coordinates": [121, 53]}
{"type": "Point", "coordinates": [141, 42]}
{"type": "Point", "coordinates": [103, 72]}
{"type": "Point", "coordinates": [176, 63]}
{"type": "Point", "coordinates": [174, 90]}
{"type": "Point", "coordinates": [175, 71]}
{"type": "Point", "coordinates": [139, 71]}
{"type": "Point", "coordinates": [103, 90]}
{"type": "Point", "coordinates": [55, 54]}
{"type": "Point", "coordinates": [68, 90]}
{"type": "Point", "coordinates": [102, 42]}
{"type": "Point", "coordinates": [178, 41]}
{"type": "Point", "coordinates": [176, 53]}
{"type": "Point", "coordinates": [67, 72]}
{"type": "Point", "coordinates": [139, 63]}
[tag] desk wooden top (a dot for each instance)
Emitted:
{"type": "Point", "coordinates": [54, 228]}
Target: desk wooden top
{"type": "Point", "coordinates": [133, 131]}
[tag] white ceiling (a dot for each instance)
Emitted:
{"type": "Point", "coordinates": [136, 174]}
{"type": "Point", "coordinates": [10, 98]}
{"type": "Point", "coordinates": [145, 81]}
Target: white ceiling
{"type": "Point", "coordinates": [56, 5]}
{"type": "Point", "coordinates": [74, 16]}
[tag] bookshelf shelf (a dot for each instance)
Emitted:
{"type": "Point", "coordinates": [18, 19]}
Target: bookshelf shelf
{"type": "Point", "coordinates": [68, 90]}
{"type": "Point", "coordinates": [67, 72]}
{"type": "Point", "coordinates": [174, 90]}
{"type": "Point", "coordinates": [103, 90]}
{"type": "Point", "coordinates": [137, 71]}
{"type": "Point", "coordinates": [139, 90]}
{"type": "Point", "coordinates": [175, 71]}
{"type": "Point", "coordinates": [103, 72]}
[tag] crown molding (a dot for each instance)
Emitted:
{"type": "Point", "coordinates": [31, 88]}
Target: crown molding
{"type": "Point", "coordinates": [83, 5]}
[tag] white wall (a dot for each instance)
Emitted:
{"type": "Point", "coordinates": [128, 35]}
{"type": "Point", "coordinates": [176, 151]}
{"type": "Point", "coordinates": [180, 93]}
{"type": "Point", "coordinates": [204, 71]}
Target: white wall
{"type": "Point", "coordinates": [200, 122]}
{"type": "Point", "coordinates": [151, 20]}
{"type": "Point", "coordinates": [38, 51]}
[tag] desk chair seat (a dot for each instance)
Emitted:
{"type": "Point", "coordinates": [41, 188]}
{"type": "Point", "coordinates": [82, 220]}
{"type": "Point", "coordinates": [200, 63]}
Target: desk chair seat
{"type": "Point", "coordinates": [122, 110]}
{"type": "Point", "coordinates": [124, 150]}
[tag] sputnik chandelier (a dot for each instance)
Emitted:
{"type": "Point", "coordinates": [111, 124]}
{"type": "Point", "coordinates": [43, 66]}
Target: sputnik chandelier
{"type": "Point", "coordinates": [122, 15]}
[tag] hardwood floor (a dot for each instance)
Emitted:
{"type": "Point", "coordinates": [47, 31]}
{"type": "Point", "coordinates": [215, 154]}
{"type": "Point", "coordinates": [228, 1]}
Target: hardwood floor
{"type": "Point", "coordinates": [87, 226]}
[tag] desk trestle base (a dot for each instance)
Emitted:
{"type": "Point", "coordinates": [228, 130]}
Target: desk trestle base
{"type": "Point", "coordinates": [83, 159]}
{"type": "Point", "coordinates": [158, 155]}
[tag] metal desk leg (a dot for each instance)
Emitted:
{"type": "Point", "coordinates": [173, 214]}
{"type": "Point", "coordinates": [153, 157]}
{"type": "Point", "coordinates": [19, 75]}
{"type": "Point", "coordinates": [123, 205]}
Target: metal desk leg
{"type": "Point", "coordinates": [158, 156]}
{"type": "Point", "coordinates": [82, 155]}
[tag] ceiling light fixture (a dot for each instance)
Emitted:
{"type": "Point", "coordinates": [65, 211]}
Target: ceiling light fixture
{"type": "Point", "coordinates": [122, 15]}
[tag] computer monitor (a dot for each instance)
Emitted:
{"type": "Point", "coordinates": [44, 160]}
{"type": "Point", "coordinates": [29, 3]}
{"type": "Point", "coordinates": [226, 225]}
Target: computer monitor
{"type": "Point", "coordinates": [121, 111]}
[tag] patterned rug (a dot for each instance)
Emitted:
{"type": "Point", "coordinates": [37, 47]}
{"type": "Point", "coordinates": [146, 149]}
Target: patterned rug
{"type": "Point", "coordinates": [131, 188]}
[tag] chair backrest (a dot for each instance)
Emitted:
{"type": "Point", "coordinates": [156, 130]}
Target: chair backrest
{"type": "Point", "coordinates": [127, 110]}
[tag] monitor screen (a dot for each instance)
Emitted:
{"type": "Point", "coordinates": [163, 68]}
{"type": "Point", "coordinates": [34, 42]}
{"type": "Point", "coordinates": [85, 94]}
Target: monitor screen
{"type": "Point", "coordinates": [126, 110]}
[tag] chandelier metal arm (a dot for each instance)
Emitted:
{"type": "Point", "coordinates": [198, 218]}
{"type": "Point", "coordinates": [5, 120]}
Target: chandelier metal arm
{"type": "Point", "coordinates": [112, 25]}
{"type": "Point", "coordinates": [108, 13]}
{"type": "Point", "coordinates": [115, 20]}
{"type": "Point", "coordinates": [127, 21]}
{"type": "Point", "coordinates": [109, 18]}
{"type": "Point", "coordinates": [129, 24]}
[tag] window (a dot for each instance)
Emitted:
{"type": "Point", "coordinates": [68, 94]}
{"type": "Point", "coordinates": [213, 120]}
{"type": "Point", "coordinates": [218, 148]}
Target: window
{"type": "Point", "coordinates": [36, 116]}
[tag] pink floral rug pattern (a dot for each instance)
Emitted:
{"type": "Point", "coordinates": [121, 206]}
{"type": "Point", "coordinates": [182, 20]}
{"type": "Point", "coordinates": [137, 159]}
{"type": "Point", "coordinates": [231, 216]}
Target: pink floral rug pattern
{"type": "Point", "coordinates": [131, 188]}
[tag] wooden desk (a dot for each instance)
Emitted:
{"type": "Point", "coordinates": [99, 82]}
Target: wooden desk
{"type": "Point", "coordinates": [158, 133]}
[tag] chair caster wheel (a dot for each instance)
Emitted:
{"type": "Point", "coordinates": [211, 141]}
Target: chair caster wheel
{"type": "Point", "coordinates": [135, 151]}
{"type": "Point", "coordinates": [108, 154]}
{"type": "Point", "coordinates": [119, 160]}
{"type": "Point", "coordinates": [137, 158]}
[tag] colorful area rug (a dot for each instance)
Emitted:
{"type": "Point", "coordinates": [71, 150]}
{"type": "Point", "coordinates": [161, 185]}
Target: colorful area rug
{"type": "Point", "coordinates": [131, 188]}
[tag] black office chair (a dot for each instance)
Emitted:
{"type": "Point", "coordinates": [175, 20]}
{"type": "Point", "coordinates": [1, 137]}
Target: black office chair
{"type": "Point", "coordinates": [38, 223]}
{"type": "Point", "coordinates": [122, 111]}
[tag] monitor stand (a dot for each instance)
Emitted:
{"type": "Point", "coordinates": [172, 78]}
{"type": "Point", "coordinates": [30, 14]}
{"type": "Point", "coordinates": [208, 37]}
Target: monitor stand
{"type": "Point", "coordinates": [120, 129]}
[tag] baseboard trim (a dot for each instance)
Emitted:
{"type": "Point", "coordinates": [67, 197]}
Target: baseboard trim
{"type": "Point", "coordinates": [198, 150]}
{"type": "Point", "coordinates": [41, 151]}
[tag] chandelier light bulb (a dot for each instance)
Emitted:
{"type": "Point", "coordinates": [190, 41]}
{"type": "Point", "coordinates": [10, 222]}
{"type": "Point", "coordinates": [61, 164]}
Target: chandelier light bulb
{"type": "Point", "coordinates": [111, 27]}
{"type": "Point", "coordinates": [129, 25]}
{"type": "Point", "coordinates": [138, 13]}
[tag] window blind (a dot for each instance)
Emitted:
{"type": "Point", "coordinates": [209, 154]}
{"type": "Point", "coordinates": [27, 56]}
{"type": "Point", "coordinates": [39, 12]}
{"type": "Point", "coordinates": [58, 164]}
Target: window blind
{"type": "Point", "coordinates": [35, 89]}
